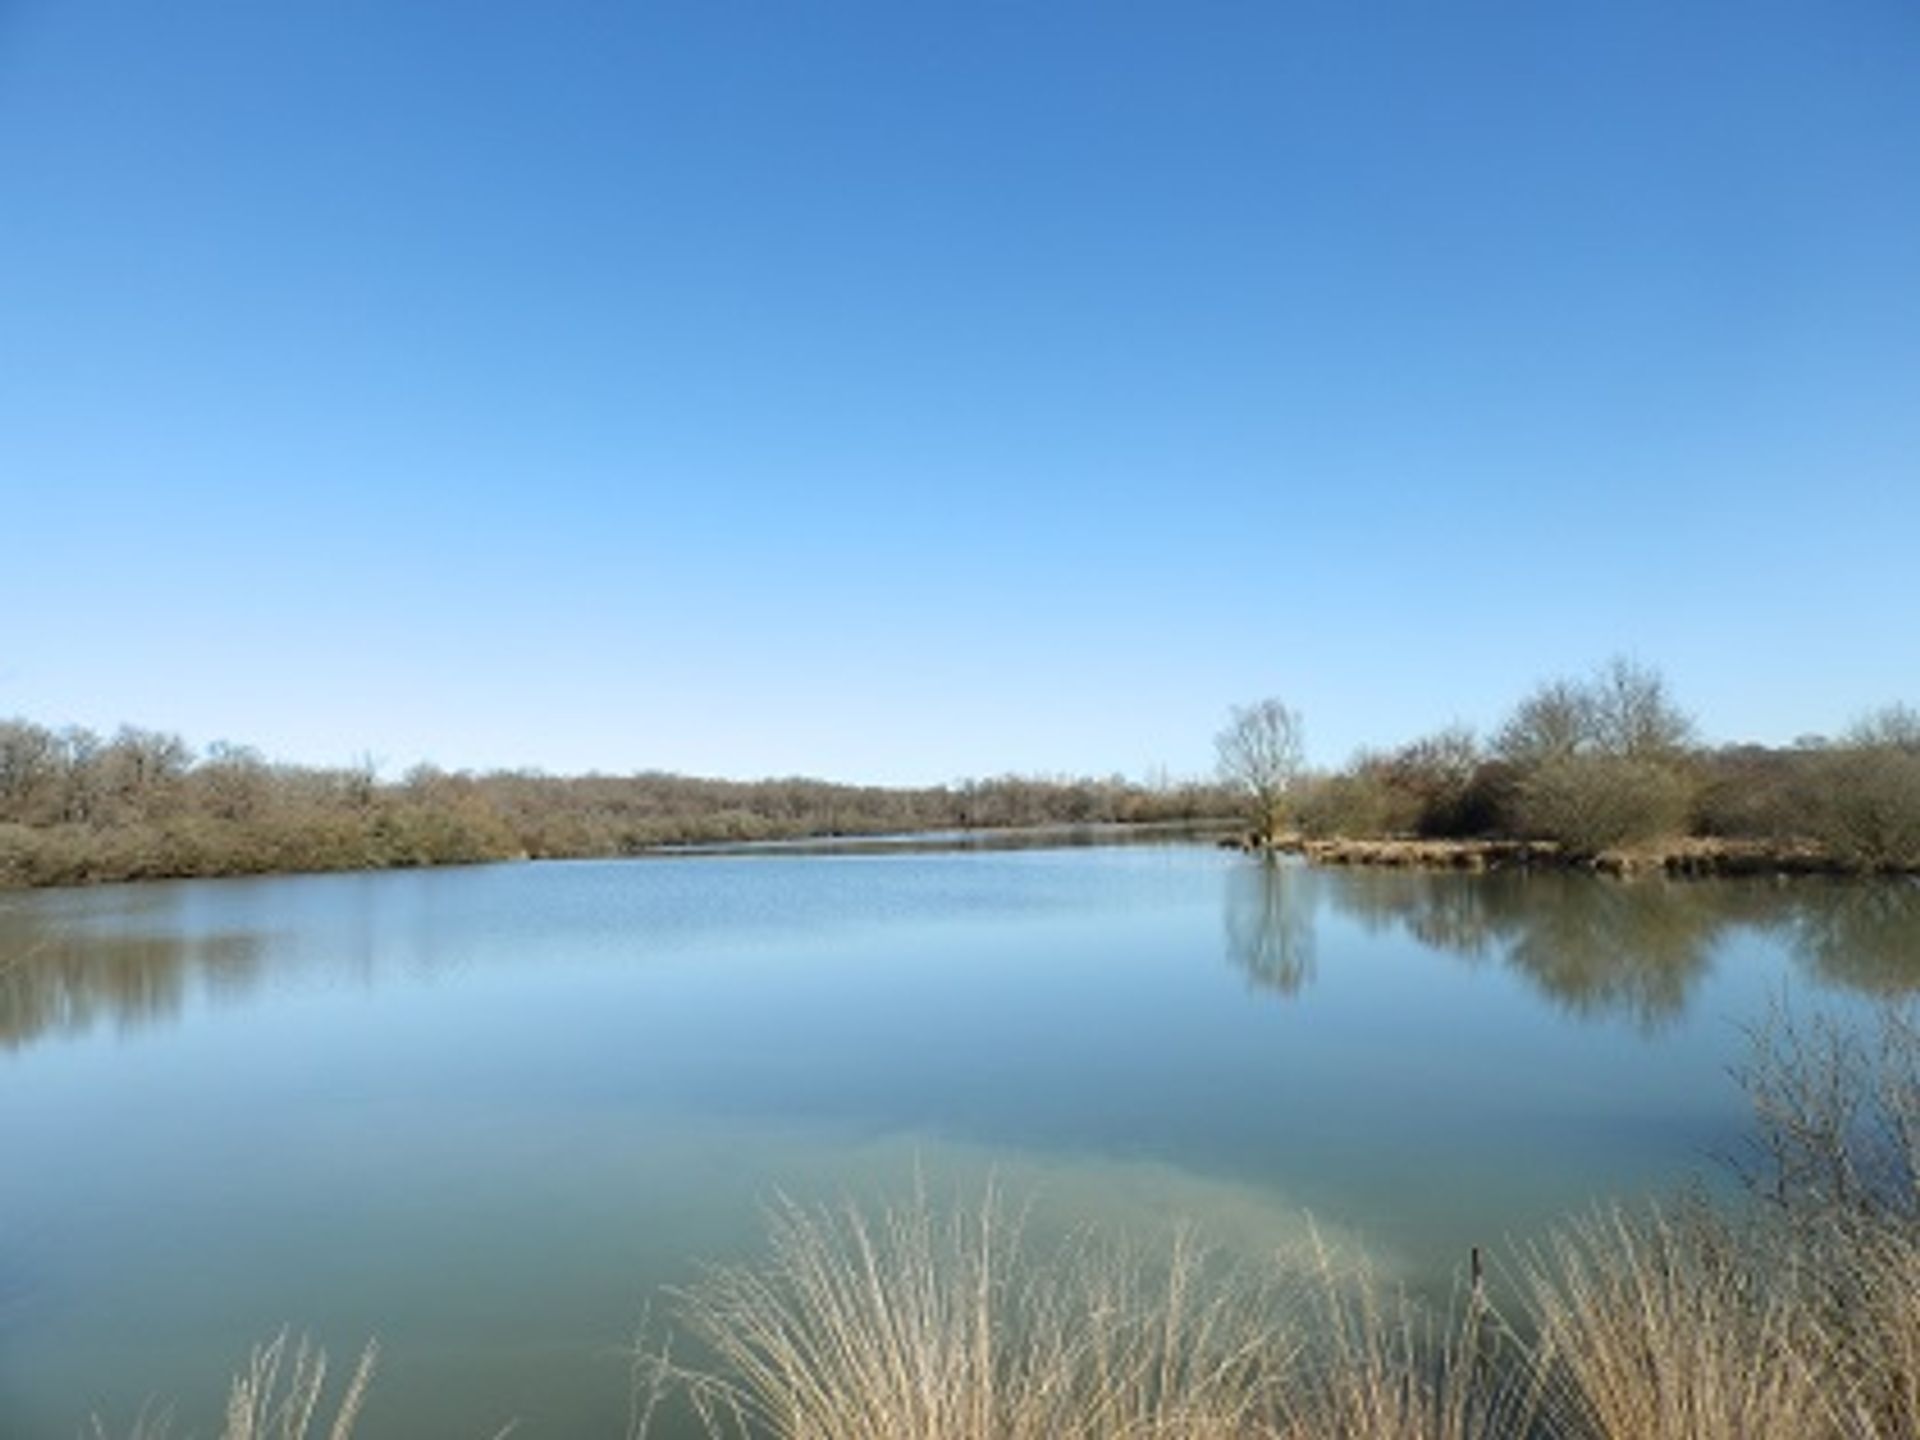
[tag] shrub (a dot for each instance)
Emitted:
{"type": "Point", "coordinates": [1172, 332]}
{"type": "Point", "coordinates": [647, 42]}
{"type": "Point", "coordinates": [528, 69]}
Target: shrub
{"type": "Point", "coordinates": [1591, 803]}
{"type": "Point", "coordinates": [1865, 808]}
{"type": "Point", "coordinates": [1359, 803]}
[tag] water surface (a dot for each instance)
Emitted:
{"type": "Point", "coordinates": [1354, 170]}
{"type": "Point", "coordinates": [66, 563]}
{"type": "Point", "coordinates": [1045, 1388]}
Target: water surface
{"type": "Point", "coordinates": [484, 1114]}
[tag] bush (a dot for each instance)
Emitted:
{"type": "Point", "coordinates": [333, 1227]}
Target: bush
{"type": "Point", "coordinates": [1591, 803]}
{"type": "Point", "coordinates": [1866, 807]}
{"type": "Point", "coordinates": [1358, 804]}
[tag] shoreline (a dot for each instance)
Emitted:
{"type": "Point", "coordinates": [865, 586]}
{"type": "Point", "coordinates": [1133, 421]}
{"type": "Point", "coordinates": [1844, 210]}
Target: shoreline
{"type": "Point", "coordinates": [1691, 858]}
{"type": "Point", "coordinates": [19, 880]}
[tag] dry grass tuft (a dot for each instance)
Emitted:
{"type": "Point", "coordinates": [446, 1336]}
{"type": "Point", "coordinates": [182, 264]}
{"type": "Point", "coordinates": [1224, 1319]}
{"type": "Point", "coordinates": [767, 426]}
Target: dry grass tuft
{"type": "Point", "coordinates": [1644, 1325]}
{"type": "Point", "coordinates": [908, 1326]}
{"type": "Point", "coordinates": [1380, 1366]}
{"type": "Point", "coordinates": [1659, 1327]}
{"type": "Point", "coordinates": [1876, 1359]}
{"type": "Point", "coordinates": [277, 1396]}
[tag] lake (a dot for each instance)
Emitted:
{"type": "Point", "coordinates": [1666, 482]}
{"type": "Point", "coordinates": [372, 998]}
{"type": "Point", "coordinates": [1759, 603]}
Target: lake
{"type": "Point", "coordinates": [485, 1114]}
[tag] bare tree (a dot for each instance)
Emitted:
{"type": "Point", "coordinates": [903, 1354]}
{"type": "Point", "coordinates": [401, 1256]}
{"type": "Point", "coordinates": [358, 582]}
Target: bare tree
{"type": "Point", "coordinates": [1552, 723]}
{"type": "Point", "coordinates": [1601, 762]}
{"type": "Point", "coordinates": [29, 767]}
{"type": "Point", "coordinates": [1624, 711]}
{"type": "Point", "coordinates": [1891, 727]}
{"type": "Point", "coordinates": [233, 781]}
{"type": "Point", "coordinates": [1633, 716]}
{"type": "Point", "coordinates": [1262, 756]}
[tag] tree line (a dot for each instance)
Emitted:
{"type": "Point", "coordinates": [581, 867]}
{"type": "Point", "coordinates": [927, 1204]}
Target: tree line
{"type": "Point", "coordinates": [1594, 764]}
{"type": "Point", "coordinates": [77, 807]}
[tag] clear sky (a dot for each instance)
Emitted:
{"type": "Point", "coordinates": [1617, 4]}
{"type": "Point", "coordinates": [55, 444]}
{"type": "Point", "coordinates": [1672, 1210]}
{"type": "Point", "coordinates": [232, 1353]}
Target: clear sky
{"type": "Point", "coordinates": [909, 391]}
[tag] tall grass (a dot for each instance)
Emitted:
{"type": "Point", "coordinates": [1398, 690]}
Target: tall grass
{"type": "Point", "coordinates": [1665, 1329]}
{"type": "Point", "coordinates": [1651, 1324]}
{"type": "Point", "coordinates": [912, 1325]}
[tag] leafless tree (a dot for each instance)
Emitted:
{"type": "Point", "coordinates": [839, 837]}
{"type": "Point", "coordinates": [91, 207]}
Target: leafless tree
{"type": "Point", "coordinates": [1891, 727]}
{"type": "Point", "coordinates": [1262, 755]}
{"type": "Point", "coordinates": [1632, 715]}
{"type": "Point", "coordinates": [1550, 724]}
{"type": "Point", "coordinates": [1624, 711]}
{"type": "Point", "coordinates": [29, 767]}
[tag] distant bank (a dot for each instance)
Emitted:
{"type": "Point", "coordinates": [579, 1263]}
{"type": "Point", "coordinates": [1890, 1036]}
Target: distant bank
{"type": "Point", "coordinates": [78, 808]}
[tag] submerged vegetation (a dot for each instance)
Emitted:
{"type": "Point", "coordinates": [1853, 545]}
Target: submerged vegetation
{"type": "Point", "coordinates": [1795, 1316]}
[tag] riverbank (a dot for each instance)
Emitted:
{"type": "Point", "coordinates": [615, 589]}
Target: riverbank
{"type": "Point", "coordinates": [1682, 857]}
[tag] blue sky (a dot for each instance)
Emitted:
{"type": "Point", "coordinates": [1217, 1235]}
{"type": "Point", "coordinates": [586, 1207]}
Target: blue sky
{"type": "Point", "coordinates": [904, 392]}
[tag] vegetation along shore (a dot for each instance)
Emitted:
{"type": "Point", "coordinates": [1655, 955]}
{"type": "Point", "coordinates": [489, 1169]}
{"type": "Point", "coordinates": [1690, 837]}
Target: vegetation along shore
{"type": "Point", "coordinates": [78, 808]}
{"type": "Point", "coordinates": [1606, 772]}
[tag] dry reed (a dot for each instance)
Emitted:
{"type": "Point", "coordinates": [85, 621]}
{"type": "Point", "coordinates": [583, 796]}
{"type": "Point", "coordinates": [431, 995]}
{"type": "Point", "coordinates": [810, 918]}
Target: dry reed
{"type": "Point", "coordinates": [1663, 1327]}
{"type": "Point", "coordinates": [277, 1395]}
{"type": "Point", "coordinates": [912, 1326]}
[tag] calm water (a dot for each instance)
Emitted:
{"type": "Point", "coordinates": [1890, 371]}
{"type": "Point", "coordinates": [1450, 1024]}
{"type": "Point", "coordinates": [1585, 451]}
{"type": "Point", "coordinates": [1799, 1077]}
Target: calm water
{"type": "Point", "coordinates": [485, 1113]}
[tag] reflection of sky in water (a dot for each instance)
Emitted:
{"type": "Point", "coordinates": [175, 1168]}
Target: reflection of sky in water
{"type": "Point", "coordinates": [481, 1112]}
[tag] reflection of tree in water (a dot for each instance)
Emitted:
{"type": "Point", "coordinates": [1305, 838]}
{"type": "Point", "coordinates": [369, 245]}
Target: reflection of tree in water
{"type": "Point", "coordinates": [1638, 947]}
{"type": "Point", "coordinates": [1441, 910]}
{"type": "Point", "coordinates": [1861, 934]}
{"type": "Point", "coordinates": [1270, 923]}
{"type": "Point", "coordinates": [68, 978]}
{"type": "Point", "coordinates": [1595, 946]}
